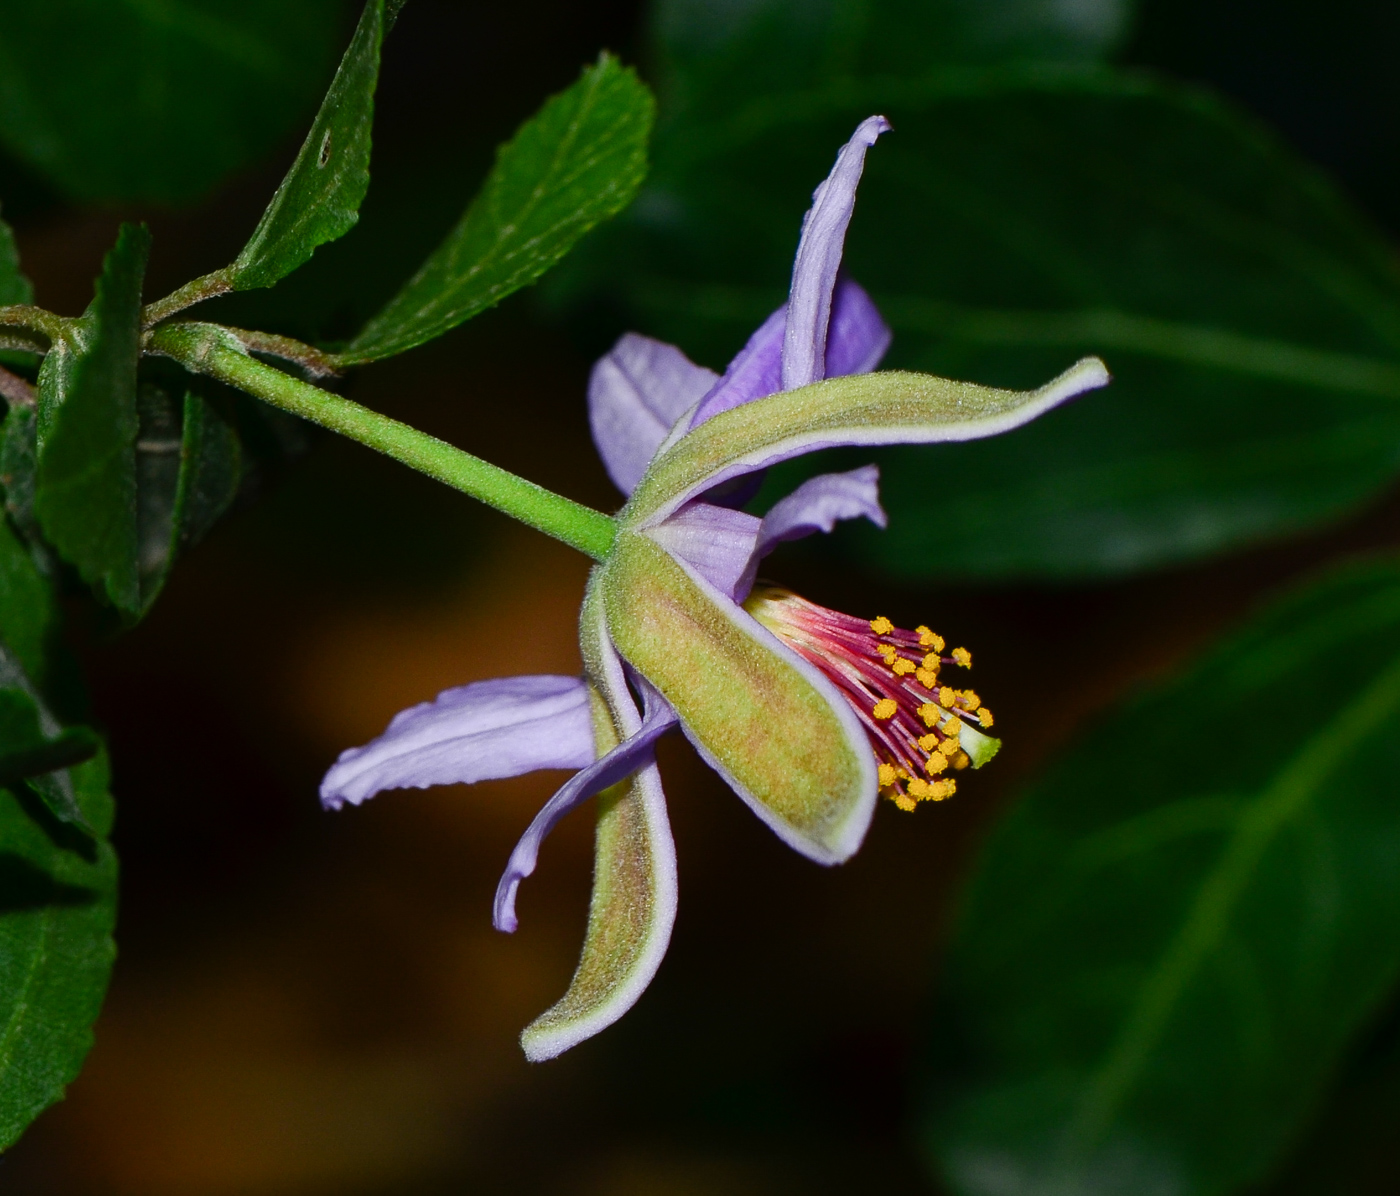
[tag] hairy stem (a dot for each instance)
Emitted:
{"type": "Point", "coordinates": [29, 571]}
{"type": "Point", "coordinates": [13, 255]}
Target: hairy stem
{"type": "Point", "coordinates": [33, 323]}
{"type": "Point", "coordinates": [216, 352]}
{"type": "Point", "coordinates": [207, 287]}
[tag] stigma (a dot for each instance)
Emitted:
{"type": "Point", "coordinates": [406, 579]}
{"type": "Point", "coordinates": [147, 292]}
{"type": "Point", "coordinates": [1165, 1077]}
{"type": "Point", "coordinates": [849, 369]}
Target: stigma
{"type": "Point", "coordinates": [896, 681]}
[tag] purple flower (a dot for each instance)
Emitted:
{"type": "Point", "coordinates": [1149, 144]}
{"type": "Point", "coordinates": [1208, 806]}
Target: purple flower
{"type": "Point", "coordinates": [808, 714]}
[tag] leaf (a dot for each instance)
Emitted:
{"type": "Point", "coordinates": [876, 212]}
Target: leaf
{"type": "Point", "coordinates": [86, 492]}
{"type": "Point", "coordinates": [18, 460]}
{"type": "Point", "coordinates": [1169, 943]}
{"type": "Point", "coordinates": [157, 102]}
{"type": "Point", "coordinates": [319, 200]}
{"type": "Point", "coordinates": [35, 748]}
{"type": "Point", "coordinates": [576, 162]}
{"type": "Point", "coordinates": [1016, 220]}
{"type": "Point", "coordinates": [14, 287]}
{"type": "Point", "coordinates": [1351, 1144]}
{"type": "Point", "coordinates": [189, 464]}
{"type": "Point", "coordinates": [28, 613]}
{"type": "Point", "coordinates": [720, 60]}
{"type": "Point", "coordinates": [27, 752]}
{"type": "Point", "coordinates": [57, 910]}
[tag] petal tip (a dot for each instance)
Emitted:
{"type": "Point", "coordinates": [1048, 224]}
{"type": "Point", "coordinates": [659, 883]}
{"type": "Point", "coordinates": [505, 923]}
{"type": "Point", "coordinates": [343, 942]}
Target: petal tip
{"type": "Point", "coordinates": [503, 912]}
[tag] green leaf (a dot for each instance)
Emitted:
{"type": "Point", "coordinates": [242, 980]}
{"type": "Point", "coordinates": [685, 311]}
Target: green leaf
{"type": "Point", "coordinates": [28, 614]}
{"type": "Point", "coordinates": [18, 461]}
{"type": "Point", "coordinates": [189, 464]}
{"type": "Point", "coordinates": [57, 910]}
{"type": "Point", "coordinates": [720, 60]}
{"type": "Point", "coordinates": [157, 102]}
{"type": "Point", "coordinates": [320, 198]}
{"type": "Point", "coordinates": [576, 162]}
{"type": "Point", "coordinates": [86, 492]}
{"type": "Point", "coordinates": [1350, 1145]}
{"type": "Point", "coordinates": [14, 287]}
{"type": "Point", "coordinates": [1017, 219]}
{"type": "Point", "coordinates": [27, 752]}
{"type": "Point", "coordinates": [1169, 943]}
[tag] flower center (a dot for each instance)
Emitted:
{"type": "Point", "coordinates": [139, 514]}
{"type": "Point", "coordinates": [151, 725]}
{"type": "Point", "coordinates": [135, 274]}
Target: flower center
{"type": "Point", "coordinates": [893, 680]}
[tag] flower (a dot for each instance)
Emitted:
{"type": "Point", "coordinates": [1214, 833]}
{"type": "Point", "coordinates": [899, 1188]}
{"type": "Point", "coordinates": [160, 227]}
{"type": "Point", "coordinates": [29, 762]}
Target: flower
{"type": "Point", "coordinates": [808, 714]}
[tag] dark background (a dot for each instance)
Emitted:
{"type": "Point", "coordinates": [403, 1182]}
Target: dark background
{"type": "Point", "coordinates": [316, 1003]}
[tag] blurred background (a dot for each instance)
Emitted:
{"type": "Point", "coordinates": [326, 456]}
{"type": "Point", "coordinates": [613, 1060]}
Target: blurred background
{"type": "Point", "coordinates": [309, 1003]}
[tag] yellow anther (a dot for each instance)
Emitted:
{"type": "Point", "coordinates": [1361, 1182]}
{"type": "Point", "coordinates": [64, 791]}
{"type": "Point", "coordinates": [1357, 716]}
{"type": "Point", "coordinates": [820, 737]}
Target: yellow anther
{"type": "Point", "coordinates": [928, 678]}
{"type": "Point", "coordinates": [949, 747]}
{"type": "Point", "coordinates": [906, 804]}
{"type": "Point", "coordinates": [936, 764]}
{"type": "Point", "coordinates": [970, 700]}
{"type": "Point", "coordinates": [885, 708]}
{"type": "Point", "coordinates": [933, 661]}
{"type": "Point", "coordinates": [942, 789]}
{"type": "Point", "coordinates": [887, 775]}
{"type": "Point", "coordinates": [963, 657]}
{"type": "Point", "coordinates": [881, 626]}
{"type": "Point", "coordinates": [985, 717]}
{"type": "Point", "coordinates": [902, 667]}
{"type": "Point", "coordinates": [929, 639]}
{"type": "Point", "coordinates": [961, 760]}
{"type": "Point", "coordinates": [952, 728]}
{"type": "Point", "coordinates": [929, 713]}
{"type": "Point", "coordinates": [919, 788]}
{"type": "Point", "coordinates": [928, 742]}
{"type": "Point", "coordinates": [947, 696]}
{"type": "Point", "coordinates": [888, 651]}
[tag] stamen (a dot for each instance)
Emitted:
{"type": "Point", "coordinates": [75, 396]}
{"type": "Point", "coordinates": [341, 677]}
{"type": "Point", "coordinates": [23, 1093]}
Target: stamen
{"type": "Point", "coordinates": [890, 678]}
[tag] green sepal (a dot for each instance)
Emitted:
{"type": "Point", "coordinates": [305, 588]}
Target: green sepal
{"type": "Point", "coordinates": [85, 495]}
{"type": "Point", "coordinates": [576, 162]}
{"type": "Point", "coordinates": [319, 199]}
{"type": "Point", "coordinates": [778, 732]}
{"type": "Point", "coordinates": [633, 905]}
{"type": "Point", "coordinates": [891, 407]}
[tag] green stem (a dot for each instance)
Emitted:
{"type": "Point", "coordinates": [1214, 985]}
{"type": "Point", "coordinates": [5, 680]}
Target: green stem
{"type": "Point", "coordinates": [33, 321]}
{"type": "Point", "coordinates": [206, 287]}
{"type": "Point", "coordinates": [211, 350]}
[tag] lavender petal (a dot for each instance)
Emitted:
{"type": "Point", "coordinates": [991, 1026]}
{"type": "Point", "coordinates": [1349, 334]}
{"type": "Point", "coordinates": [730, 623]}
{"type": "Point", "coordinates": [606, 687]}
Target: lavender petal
{"type": "Point", "coordinates": [637, 391]}
{"type": "Point", "coordinates": [632, 754]}
{"type": "Point", "coordinates": [819, 259]}
{"type": "Point", "coordinates": [756, 371]}
{"type": "Point", "coordinates": [816, 506]}
{"type": "Point", "coordinates": [858, 337]}
{"type": "Point", "coordinates": [717, 542]}
{"type": "Point", "coordinates": [490, 729]}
